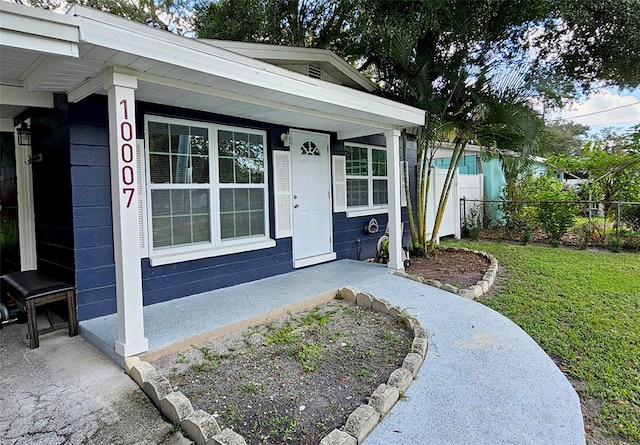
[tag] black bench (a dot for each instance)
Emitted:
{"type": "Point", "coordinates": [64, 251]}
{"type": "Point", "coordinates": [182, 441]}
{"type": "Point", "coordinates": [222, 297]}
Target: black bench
{"type": "Point", "coordinates": [31, 289]}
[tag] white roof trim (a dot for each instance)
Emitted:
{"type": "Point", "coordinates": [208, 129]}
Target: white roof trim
{"type": "Point", "coordinates": [123, 35]}
{"type": "Point", "coordinates": [54, 34]}
{"type": "Point", "coordinates": [19, 97]}
{"type": "Point", "coordinates": [277, 54]}
{"type": "Point", "coordinates": [87, 42]}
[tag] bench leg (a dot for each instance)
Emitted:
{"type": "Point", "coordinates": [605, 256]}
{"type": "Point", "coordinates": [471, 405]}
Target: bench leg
{"type": "Point", "coordinates": [32, 324]}
{"type": "Point", "coordinates": [71, 310]}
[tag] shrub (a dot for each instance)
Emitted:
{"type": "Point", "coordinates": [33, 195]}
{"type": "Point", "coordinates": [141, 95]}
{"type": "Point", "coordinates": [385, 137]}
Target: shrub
{"type": "Point", "coordinates": [614, 244]}
{"type": "Point", "coordinates": [473, 222]}
{"type": "Point", "coordinates": [632, 242]}
{"type": "Point", "coordinates": [556, 208]}
{"type": "Point", "coordinates": [630, 216]}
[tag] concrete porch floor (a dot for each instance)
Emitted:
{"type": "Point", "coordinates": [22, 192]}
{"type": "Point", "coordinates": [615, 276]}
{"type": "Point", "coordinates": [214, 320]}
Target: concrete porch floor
{"type": "Point", "coordinates": [484, 380]}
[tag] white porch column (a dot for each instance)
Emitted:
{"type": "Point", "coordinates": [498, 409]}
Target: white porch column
{"type": "Point", "coordinates": [393, 189]}
{"type": "Point", "coordinates": [124, 205]}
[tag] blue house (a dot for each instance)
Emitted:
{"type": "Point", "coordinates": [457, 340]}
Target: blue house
{"type": "Point", "coordinates": [476, 161]}
{"type": "Point", "coordinates": [142, 166]}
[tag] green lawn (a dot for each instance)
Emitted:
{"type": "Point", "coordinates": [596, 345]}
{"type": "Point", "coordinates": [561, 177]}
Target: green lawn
{"type": "Point", "coordinates": [583, 308]}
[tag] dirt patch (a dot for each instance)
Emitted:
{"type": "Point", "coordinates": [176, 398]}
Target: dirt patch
{"type": "Point", "coordinates": [456, 267]}
{"type": "Point", "coordinates": [293, 380]}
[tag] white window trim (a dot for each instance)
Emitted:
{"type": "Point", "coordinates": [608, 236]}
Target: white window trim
{"type": "Point", "coordinates": [368, 211]}
{"type": "Point", "coordinates": [370, 178]}
{"type": "Point", "coordinates": [354, 212]}
{"type": "Point", "coordinates": [217, 246]}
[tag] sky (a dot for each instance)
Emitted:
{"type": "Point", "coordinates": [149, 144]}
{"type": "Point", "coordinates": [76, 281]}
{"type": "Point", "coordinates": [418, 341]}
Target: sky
{"type": "Point", "coordinates": [604, 108]}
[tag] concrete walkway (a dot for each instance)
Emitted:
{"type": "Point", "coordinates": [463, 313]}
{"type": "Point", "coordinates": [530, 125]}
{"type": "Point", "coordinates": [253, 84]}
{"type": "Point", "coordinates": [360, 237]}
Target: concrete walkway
{"type": "Point", "coordinates": [68, 392]}
{"type": "Point", "coordinates": [484, 380]}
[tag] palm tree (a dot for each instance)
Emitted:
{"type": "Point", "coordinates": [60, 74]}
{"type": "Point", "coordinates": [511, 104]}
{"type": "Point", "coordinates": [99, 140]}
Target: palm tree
{"type": "Point", "coordinates": [490, 111]}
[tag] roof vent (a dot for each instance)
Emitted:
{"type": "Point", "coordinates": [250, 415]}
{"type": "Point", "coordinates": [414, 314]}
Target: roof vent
{"type": "Point", "coordinates": [315, 71]}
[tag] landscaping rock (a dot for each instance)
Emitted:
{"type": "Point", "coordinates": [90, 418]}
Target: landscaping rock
{"type": "Point", "coordinates": [401, 378]}
{"type": "Point", "coordinates": [467, 293]}
{"type": "Point", "coordinates": [227, 437]}
{"type": "Point", "coordinates": [397, 312]}
{"type": "Point", "coordinates": [337, 437]}
{"type": "Point", "coordinates": [142, 372]}
{"type": "Point", "coordinates": [449, 288]}
{"type": "Point", "coordinates": [349, 293]}
{"type": "Point", "coordinates": [434, 283]}
{"type": "Point", "coordinates": [419, 346]}
{"type": "Point", "coordinates": [419, 332]}
{"type": "Point", "coordinates": [157, 388]}
{"type": "Point", "coordinates": [489, 278]}
{"type": "Point", "coordinates": [130, 362]}
{"type": "Point", "coordinates": [361, 422]}
{"type": "Point", "coordinates": [176, 406]}
{"type": "Point", "coordinates": [484, 285]}
{"type": "Point", "coordinates": [200, 426]}
{"type": "Point", "coordinates": [383, 398]}
{"type": "Point", "coordinates": [382, 306]}
{"type": "Point", "coordinates": [411, 322]}
{"type": "Point", "coordinates": [412, 362]}
{"type": "Point", "coordinates": [477, 291]}
{"type": "Point", "coordinates": [364, 300]}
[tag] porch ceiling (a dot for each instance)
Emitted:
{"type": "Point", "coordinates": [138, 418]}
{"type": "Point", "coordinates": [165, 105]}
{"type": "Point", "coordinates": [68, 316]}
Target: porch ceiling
{"type": "Point", "coordinates": [43, 53]}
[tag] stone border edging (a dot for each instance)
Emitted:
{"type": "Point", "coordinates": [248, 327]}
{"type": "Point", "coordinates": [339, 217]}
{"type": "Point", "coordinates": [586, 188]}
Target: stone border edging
{"type": "Point", "coordinates": [203, 428]}
{"type": "Point", "coordinates": [472, 292]}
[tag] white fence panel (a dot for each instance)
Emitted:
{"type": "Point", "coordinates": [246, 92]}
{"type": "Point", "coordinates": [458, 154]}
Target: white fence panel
{"type": "Point", "coordinates": [469, 186]}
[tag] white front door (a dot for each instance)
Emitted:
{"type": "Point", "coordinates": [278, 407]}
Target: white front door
{"type": "Point", "coordinates": [311, 174]}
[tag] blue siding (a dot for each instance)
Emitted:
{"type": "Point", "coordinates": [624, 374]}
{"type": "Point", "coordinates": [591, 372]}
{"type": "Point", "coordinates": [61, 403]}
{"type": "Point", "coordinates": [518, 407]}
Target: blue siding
{"type": "Point", "coordinates": [88, 201]}
{"type": "Point", "coordinates": [181, 279]}
{"type": "Point", "coordinates": [92, 228]}
{"type": "Point", "coordinates": [350, 240]}
{"type": "Point", "coordinates": [468, 164]}
{"type": "Point", "coordinates": [93, 231]}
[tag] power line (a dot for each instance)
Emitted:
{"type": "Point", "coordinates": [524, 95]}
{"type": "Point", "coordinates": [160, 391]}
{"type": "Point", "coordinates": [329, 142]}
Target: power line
{"type": "Point", "coordinates": [602, 111]}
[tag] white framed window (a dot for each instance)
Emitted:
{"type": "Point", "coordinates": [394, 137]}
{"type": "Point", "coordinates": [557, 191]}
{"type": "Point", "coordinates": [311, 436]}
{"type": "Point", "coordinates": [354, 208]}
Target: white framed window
{"type": "Point", "coordinates": [207, 189]}
{"type": "Point", "coordinates": [366, 174]}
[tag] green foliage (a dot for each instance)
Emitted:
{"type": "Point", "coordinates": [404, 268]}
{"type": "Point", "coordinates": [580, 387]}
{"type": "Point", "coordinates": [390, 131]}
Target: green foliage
{"type": "Point", "coordinates": [588, 42]}
{"type": "Point", "coordinates": [582, 308]}
{"type": "Point", "coordinates": [612, 168]}
{"type": "Point", "coordinates": [473, 222]}
{"type": "Point", "coordinates": [556, 209]}
{"type": "Point", "coordinates": [310, 355]}
{"type": "Point", "coordinates": [631, 242]}
{"type": "Point", "coordinates": [614, 244]}
{"type": "Point", "coordinates": [303, 23]}
{"type": "Point", "coordinates": [287, 334]}
{"type": "Point", "coordinates": [317, 317]}
{"type": "Point", "coordinates": [518, 217]}
{"type": "Point", "coordinates": [168, 15]}
{"type": "Point", "coordinates": [630, 216]}
{"type": "Point", "coordinates": [522, 220]}
{"type": "Point", "coordinates": [563, 138]}
{"type": "Point", "coordinates": [529, 202]}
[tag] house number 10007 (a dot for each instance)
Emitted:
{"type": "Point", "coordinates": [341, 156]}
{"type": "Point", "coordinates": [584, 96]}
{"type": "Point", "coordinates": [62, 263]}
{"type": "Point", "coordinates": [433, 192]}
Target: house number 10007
{"type": "Point", "coordinates": [127, 175]}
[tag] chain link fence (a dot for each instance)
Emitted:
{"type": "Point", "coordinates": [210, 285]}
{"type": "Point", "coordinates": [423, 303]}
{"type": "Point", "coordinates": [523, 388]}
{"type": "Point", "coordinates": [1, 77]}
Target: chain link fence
{"type": "Point", "coordinates": [583, 224]}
